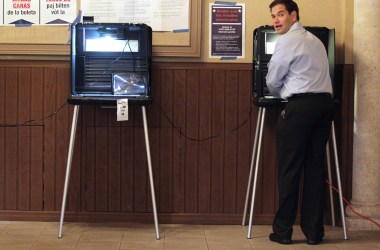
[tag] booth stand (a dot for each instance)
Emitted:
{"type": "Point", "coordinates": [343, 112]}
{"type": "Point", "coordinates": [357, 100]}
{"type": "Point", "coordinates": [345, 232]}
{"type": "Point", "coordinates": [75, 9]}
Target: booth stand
{"type": "Point", "coordinates": [69, 163]}
{"type": "Point", "coordinates": [110, 62]}
{"type": "Point", "coordinates": [255, 162]}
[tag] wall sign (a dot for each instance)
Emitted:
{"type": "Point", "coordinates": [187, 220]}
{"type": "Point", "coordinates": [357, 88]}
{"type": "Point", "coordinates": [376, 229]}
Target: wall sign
{"type": "Point", "coordinates": [227, 30]}
{"type": "Point", "coordinates": [161, 15]}
{"type": "Point", "coordinates": [38, 12]}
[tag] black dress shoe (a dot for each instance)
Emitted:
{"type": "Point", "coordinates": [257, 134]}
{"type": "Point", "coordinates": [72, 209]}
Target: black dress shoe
{"type": "Point", "coordinates": [276, 238]}
{"type": "Point", "coordinates": [313, 242]}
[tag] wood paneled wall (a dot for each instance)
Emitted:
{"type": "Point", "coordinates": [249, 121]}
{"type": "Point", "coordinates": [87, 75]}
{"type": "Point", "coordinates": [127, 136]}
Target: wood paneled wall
{"type": "Point", "coordinates": [201, 127]}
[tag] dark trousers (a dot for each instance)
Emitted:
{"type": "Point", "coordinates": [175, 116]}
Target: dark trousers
{"type": "Point", "coordinates": [302, 133]}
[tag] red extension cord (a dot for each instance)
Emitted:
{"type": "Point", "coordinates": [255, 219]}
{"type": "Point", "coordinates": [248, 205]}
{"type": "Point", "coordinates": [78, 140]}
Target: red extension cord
{"type": "Point", "coordinates": [349, 205]}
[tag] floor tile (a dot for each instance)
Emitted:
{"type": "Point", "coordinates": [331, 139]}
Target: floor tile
{"type": "Point", "coordinates": [110, 236]}
{"type": "Point", "coordinates": [141, 242]}
{"type": "Point", "coordinates": [13, 244]}
{"type": "Point", "coordinates": [56, 244]}
{"type": "Point", "coordinates": [106, 235]}
{"type": "Point", "coordinates": [98, 245]}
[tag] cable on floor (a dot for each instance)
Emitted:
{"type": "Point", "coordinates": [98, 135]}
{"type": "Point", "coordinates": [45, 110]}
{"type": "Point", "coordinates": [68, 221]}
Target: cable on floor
{"type": "Point", "coordinates": [350, 206]}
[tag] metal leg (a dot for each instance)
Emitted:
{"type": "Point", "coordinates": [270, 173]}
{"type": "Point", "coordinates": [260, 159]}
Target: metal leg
{"type": "Point", "coordinates": [249, 235]}
{"type": "Point", "coordinates": [150, 172]}
{"type": "Point", "coordinates": [68, 167]}
{"type": "Point", "coordinates": [339, 182]}
{"type": "Point", "coordinates": [330, 180]}
{"type": "Point", "coordinates": [251, 167]}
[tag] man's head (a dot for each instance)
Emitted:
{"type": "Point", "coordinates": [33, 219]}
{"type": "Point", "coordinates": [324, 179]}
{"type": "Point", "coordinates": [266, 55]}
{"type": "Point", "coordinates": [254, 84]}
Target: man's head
{"type": "Point", "coordinates": [284, 14]}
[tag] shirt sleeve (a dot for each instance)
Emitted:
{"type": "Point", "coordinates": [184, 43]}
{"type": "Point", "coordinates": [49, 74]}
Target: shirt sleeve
{"type": "Point", "coordinates": [278, 68]}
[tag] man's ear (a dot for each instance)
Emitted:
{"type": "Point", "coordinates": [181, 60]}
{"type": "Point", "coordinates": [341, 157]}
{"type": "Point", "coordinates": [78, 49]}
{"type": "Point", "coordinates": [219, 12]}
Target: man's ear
{"type": "Point", "coordinates": [293, 16]}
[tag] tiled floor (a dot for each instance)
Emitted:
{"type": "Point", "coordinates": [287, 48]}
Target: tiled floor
{"type": "Point", "coordinates": [109, 236]}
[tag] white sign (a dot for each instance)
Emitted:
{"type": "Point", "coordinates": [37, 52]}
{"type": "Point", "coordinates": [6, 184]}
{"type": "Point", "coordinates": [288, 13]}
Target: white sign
{"type": "Point", "coordinates": [21, 12]}
{"type": "Point", "coordinates": [58, 11]}
{"type": "Point", "coordinates": [122, 110]}
{"type": "Point", "coordinates": [160, 15]}
{"type": "Point", "coordinates": [37, 12]}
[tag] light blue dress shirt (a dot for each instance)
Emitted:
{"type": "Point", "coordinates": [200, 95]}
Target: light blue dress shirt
{"type": "Point", "coordinates": [299, 64]}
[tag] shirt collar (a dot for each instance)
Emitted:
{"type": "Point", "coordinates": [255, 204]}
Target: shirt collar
{"type": "Point", "coordinates": [296, 26]}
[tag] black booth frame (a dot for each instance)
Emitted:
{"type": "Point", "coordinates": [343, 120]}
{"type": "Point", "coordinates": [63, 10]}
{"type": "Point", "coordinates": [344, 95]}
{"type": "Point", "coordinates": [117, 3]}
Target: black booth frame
{"type": "Point", "coordinates": [260, 92]}
{"type": "Point", "coordinates": [102, 65]}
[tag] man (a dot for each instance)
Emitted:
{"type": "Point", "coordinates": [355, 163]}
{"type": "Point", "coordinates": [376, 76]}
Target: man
{"type": "Point", "coordinates": [299, 73]}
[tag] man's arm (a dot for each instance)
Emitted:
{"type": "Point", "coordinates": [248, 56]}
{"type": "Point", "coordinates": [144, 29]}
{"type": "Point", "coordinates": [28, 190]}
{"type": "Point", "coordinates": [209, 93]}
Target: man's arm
{"type": "Point", "coordinates": [278, 68]}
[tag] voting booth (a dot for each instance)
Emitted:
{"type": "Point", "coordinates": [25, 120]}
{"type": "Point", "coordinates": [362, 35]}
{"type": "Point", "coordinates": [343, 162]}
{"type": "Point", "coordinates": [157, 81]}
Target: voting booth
{"type": "Point", "coordinates": [264, 41]}
{"type": "Point", "coordinates": [110, 62]}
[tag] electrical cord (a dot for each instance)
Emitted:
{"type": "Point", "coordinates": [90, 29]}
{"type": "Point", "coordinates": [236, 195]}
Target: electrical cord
{"type": "Point", "coordinates": [30, 121]}
{"type": "Point", "coordinates": [120, 56]}
{"type": "Point", "coordinates": [350, 206]}
{"type": "Point", "coordinates": [163, 112]}
{"type": "Point", "coordinates": [207, 138]}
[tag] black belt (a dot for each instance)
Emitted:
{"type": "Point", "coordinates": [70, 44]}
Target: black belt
{"type": "Point", "coordinates": [305, 95]}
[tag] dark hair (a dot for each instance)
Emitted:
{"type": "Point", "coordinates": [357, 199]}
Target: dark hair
{"type": "Point", "coordinates": [290, 6]}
